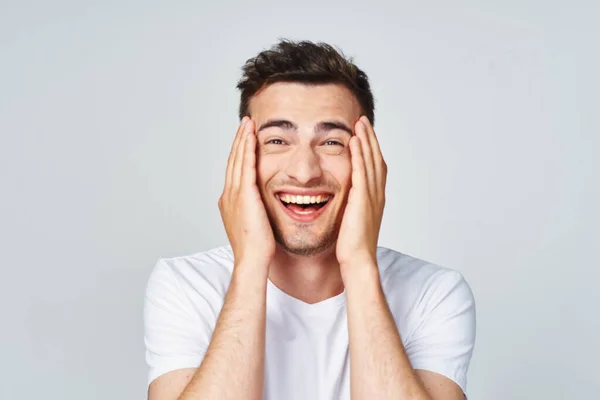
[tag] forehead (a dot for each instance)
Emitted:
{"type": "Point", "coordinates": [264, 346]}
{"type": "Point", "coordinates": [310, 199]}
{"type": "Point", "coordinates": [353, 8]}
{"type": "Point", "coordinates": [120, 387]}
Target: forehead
{"type": "Point", "coordinates": [300, 102]}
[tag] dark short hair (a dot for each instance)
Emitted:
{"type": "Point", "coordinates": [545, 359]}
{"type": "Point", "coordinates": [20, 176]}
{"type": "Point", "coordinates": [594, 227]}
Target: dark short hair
{"type": "Point", "coordinates": [304, 62]}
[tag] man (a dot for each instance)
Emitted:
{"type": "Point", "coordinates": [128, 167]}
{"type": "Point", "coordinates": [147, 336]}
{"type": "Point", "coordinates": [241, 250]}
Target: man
{"type": "Point", "coordinates": [303, 304]}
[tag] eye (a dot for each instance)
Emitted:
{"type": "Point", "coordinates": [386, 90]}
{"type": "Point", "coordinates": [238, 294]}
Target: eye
{"type": "Point", "coordinates": [275, 141]}
{"type": "Point", "coordinates": [333, 143]}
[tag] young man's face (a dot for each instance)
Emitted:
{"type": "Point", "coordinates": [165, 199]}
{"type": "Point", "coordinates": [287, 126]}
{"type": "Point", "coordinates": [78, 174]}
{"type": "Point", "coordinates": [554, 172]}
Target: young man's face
{"type": "Point", "coordinates": [303, 161]}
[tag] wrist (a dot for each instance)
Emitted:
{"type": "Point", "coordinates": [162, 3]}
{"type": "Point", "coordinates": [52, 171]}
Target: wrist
{"type": "Point", "coordinates": [363, 286]}
{"type": "Point", "coordinates": [360, 269]}
{"type": "Point", "coordinates": [246, 289]}
{"type": "Point", "coordinates": [359, 260]}
{"type": "Point", "coordinates": [250, 271]}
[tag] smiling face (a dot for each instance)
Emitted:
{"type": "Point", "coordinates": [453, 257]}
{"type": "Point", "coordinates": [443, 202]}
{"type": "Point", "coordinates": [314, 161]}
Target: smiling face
{"type": "Point", "coordinates": [303, 161]}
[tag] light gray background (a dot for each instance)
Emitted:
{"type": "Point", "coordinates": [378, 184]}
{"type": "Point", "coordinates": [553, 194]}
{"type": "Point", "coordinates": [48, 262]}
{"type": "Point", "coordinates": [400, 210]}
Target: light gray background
{"type": "Point", "coordinates": [116, 120]}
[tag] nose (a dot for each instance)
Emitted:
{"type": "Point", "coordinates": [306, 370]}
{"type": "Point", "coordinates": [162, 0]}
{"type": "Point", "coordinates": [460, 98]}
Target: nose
{"type": "Point", "coordinates": [304, 165]}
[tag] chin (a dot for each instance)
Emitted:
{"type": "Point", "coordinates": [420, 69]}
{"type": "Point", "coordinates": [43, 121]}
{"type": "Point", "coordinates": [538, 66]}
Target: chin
{"type": "Point", "coordinates": [305, 249]}
{"type": "Point", "coordinates": [301, 239]}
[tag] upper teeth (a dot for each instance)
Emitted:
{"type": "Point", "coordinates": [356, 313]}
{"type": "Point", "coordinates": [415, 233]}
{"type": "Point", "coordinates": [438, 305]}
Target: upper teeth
{"type": "Point", "coordinates": [303, 199]}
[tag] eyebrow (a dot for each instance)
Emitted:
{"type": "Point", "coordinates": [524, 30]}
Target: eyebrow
{"type": "Point", "coordinates": [321, 127]}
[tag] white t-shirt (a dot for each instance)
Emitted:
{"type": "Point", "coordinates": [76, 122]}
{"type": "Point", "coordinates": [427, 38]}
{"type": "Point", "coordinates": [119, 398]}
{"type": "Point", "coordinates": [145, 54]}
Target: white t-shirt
{"type": "Point", "coordinates": [307, 354]}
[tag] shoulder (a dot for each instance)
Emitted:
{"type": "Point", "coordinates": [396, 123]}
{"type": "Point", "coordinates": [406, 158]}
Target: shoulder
{"type": "Point", "coordinates": [416, 288]}
{"type": "Point", "coordinates": [206, 273]}
{"type": "Point", "coordinates": [216, 261]}
{"type": "Point", "coordinates": [434, 309]}
{"type": "Point", "coordinates": [399, 269]}
{"type": "Point", "coordinates": [183, 299]}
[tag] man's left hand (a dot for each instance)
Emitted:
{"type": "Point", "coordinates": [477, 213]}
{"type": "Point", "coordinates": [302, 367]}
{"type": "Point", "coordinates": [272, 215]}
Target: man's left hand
{"type": "Point", "coordinates": [359, 231]}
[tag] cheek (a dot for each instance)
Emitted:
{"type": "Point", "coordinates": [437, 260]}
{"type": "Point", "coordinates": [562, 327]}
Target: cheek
{"type": "Point", "coordinates": [267, 166]}
{"type": "Point", "coordinates": [340, 169]}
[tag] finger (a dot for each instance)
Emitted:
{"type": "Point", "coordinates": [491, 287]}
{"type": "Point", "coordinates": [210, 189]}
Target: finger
{"type": "Point", "coordinates": [359, 177]}
{"type": "Point", "coordinates": [379, 162]}
{"type": "Point", "coordinates": [249, 163]}
{"type": "Point", "coordinates": [239, 157]}
{"type": "Point", "coordinates": [367, 154]}
{"type": "Point", "coordinates": [232, 153]}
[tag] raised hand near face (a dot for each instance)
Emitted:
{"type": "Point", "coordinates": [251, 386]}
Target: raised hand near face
{"type": "Point", "coordinates": [359, 231]}
{"type": "Point", "coordinates": [241, 206]}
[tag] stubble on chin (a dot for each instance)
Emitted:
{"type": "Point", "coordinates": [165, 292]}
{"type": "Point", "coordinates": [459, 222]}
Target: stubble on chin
{"type": "Point", "coordinates": [303, 241]}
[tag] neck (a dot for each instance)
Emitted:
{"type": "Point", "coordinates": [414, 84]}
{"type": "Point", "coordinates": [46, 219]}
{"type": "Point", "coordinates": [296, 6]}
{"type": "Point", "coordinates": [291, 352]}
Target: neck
{"type": "Point", "coordinates": [308, 278]}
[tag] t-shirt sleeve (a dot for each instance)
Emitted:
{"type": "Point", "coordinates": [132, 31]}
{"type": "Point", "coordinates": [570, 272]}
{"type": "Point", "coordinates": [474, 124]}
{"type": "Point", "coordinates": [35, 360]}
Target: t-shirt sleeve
{"type": "Point", "coordinates": [444, 339]}
{"type": "Point", "coordinates": [174, 335]}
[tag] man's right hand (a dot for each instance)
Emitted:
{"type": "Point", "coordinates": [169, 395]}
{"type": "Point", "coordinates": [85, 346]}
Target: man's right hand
{"type": "Point", "coordinates": [242, 210]}
{"type": "Point", "coordinates": [234, 364]}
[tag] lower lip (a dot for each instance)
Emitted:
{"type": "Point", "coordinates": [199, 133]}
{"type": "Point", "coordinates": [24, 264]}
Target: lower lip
{"type": "Point", "coordinates": [304, 217]}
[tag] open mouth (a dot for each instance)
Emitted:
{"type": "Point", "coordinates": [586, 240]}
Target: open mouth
{"type": "Point", "coordinates": [304, 205]}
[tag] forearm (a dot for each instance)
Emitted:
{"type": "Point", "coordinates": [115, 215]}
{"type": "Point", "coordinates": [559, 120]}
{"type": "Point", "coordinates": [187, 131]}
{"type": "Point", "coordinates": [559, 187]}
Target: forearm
{"type": "Point", "coordinates": [379, 367]}
{"type": "Point", "coordinates": [233, 367]}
